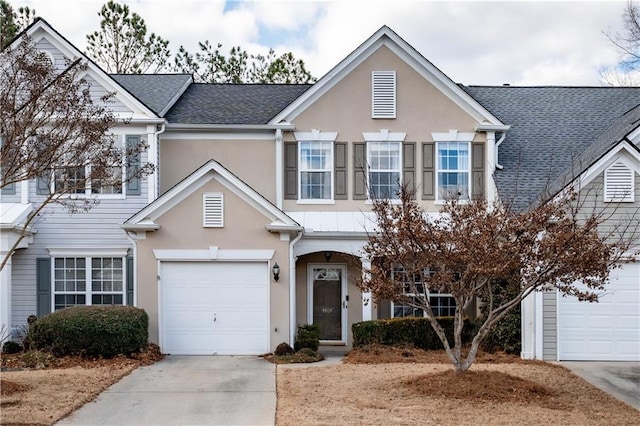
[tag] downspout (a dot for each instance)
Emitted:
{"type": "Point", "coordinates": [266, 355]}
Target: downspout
{"type": "Point", "coordinates": [292, 288]}
{"type": "Point", "coordinates": [154, 150]}
{"type": "Point", "coordinates": [504, 135]}
{"type": "Point", "coordinates": [279, 167]}
{"type": "Point", "coordinates": [134, 243]}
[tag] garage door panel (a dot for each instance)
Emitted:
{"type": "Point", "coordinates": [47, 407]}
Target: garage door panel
{"type": "Point", "coordinates": [236, 294]}
{"type": "Point", "coordinates": [608, 330]}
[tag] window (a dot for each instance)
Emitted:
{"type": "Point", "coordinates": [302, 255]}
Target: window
{"type": "Point", "coordinates": [619, 183]}
{"type": "Point", "coordinates": [453, 170]}
{"type": "Point", "coordinates": [383, 88]}
{"type": "Point", "coordinates": [88, 281]}
{"type": "Point", "coordinates": [442, 304]}
{"type": "Point", "coordinates": [316, 165]}
{"type": "Point", "coordinates": [383, 159]}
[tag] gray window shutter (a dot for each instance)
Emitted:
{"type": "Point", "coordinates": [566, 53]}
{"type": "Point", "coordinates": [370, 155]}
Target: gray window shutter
{"type": "Point", "coordinates": [133, 166]}
{"type": "Point", "coordinates": [130, 280]}
{"type": "Point", "coordinates": [42, 185]}
{"type": "Point", "coordinates": [291, 170]}
{"type": "Point", "coordinates": [340, 167]}
{"type": "Point", "coordinates": [43, 277]}
{"type": "Point", "coordinates": [428, 171]}
{"type": "Point", "coordinates": [359, 171]}
{"type": "Point", "coordinates": [477, 170]}
{"type": "Point", "coordinates": [9, 189]}
{"type": "Point", "coordinates": [409, 166]}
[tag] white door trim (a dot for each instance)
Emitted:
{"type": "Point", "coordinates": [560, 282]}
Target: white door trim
{"type": "Point", "coordinates": [344, 304]}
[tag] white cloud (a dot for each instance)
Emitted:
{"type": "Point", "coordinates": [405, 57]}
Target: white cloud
{"type": "Point", "coordinates": [472, 42]}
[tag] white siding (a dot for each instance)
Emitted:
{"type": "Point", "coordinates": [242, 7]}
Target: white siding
{"type": "Point", "coordinates": [60, 61]}
{"type": "Point", "coordinates": [97, 91]}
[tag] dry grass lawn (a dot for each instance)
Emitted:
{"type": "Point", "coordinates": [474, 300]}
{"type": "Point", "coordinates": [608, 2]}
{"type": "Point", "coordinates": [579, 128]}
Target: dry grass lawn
{"type": "Point", "coordinates": [420, 389]}
{"type": "Point", "coordinates": [43, 391]}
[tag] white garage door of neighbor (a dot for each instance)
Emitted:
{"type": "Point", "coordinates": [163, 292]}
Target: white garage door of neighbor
{"type": "Point", "coordinates": [215, 308]}
{"type": "Point", "coordinates": [605, 331]}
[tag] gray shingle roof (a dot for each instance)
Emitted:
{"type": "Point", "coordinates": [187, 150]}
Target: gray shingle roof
{"type": "Point", "coordinates": [233, 103]}
{"type": "Point", "coordinates": [551, 127]}
{"type": "Point", "coordinates": [156, 91]}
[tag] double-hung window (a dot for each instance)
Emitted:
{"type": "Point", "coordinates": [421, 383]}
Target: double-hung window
{"type": "Point", "coordinates": [89, 280]}
{"type": "Point", "coordinates": [316, 166]}
{"type": "Point", "coordinates": [442, 304]}
{"type": "Point", "coordinates": [385, 169]}
{"type": "Point", "coordinates": [453, 170]}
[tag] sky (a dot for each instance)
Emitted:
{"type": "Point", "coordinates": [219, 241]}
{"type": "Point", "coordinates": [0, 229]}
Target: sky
{"type": "Point", "coordinates": [473, 42]}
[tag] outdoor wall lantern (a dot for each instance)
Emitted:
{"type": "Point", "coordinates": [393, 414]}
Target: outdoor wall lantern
{"type": "Point", "coordinates": [276, 272]}
{"type": "Point", "coordinates": [327, 255]}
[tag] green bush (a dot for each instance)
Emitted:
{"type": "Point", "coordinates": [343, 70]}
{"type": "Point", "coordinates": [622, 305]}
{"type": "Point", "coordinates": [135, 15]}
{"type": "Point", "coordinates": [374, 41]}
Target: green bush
{"type": "Point", "coordinates": [11, 347]}
{"type": "Point", "coordinates": [308, 336]}
{"type": "Point", "coordinates": [104, 331]}
{"type": "Point", "coordinates": [505, 334]}
{"type": "Point", "coordinates": [412, 331]}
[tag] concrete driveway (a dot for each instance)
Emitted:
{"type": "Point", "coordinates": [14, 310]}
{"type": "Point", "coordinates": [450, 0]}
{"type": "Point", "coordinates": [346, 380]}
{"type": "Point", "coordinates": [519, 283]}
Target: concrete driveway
{"type": "Point", "coordinates": [188, 390]}
{"type": "Point", "coordinates": [619, 379]}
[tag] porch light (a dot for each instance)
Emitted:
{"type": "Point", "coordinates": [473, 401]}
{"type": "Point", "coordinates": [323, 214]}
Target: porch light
{"type": "Point", "coordinates": [327, 255]}
{"type": "Point", "coordinates": [276, 272]}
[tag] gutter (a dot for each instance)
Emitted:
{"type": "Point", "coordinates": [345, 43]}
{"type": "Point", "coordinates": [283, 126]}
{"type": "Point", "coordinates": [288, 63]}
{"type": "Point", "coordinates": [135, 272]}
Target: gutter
{"type": "Point", "coordinates": [502, 128]}
{"type": "Point", "coordinates": [205, 127]}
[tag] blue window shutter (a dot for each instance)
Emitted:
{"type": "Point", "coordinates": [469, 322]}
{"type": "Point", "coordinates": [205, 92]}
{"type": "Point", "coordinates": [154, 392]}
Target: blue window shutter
{"type": "Point", "coordinates": [133, 165]}
{"type": "Point", "coordinates": [9, 189]}
{"type": "Point", "coordinates": [130, 280]}
{"type": "Point", "coordinates": [43, 277]}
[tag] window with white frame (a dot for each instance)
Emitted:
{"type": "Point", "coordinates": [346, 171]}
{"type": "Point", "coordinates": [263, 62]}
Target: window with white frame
{"type": "Point", "coordinates": [385, 169]}
{"type": "Point", "coordinates": [442, 304]}
{"type": "Point", "coordinates": [453, 164]}
{"type": "Point", "coordinates": [88, 281]}
{"type": "Point", "coordinates": [316, 170]}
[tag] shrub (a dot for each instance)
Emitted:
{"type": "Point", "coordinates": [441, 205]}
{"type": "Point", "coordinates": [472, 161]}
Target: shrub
{"type": "Point", "coordinates": [308, 352]}
{"type": "Point", "coordinates": [505, 334]}
{"type": "Point", "coordinates": [104, 331]}
{"type": "Point", "coordinates": [308, 336]}
{"type": "Point", "coordinates": [412, 331]}
{"type": "Point", "coordinates": [11, 347]}
{"type": "Point", "coordinates": [283, 349]}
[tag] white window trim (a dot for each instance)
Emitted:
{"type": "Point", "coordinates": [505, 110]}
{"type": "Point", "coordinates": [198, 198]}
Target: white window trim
{"type": "Point", "coordinates": [382, 136]}
{"type": "Point", "coordinates": [316, 136]}
{"type": "Point", "coordinates": [88, 194]}
{"type": "Point", "coordinates": [88, 291]}
{"type": "Point", "coordinates": [441, 201]}
{"type": "Point", "coordinates": [428, 295]}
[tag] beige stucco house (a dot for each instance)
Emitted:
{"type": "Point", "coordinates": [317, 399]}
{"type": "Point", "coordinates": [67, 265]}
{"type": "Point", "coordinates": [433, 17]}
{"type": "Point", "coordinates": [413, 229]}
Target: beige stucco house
{"type": "Point", "coordinates": [261, 204]}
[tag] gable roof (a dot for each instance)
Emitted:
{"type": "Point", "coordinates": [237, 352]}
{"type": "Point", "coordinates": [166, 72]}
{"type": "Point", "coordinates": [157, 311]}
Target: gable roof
{"type": "Point", "coordinates": [158, 91]}
{"type": "Point", "coordinates": [144, 219]}
{"type": "Point", "coordinates": [40, 28]}
{"type": "Point", "coordinates": [247, 104]}
{"type": "Point", "coordinates": [551, 128]}
{"type": "Point", "coordinates": [387, 37]}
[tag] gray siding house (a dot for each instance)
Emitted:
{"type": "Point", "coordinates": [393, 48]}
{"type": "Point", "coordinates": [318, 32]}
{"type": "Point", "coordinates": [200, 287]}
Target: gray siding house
{"type": "Point", "coordinates": [256, 215]}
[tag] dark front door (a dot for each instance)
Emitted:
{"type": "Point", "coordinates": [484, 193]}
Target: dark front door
{"type": "Point", "coordinates": [328, 302]}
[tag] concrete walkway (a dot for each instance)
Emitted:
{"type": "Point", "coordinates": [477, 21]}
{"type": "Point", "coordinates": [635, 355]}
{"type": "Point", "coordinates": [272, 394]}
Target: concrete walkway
{"type": "Point", "coordinates": [193, 390]}
{"type": "Point", "coordinates": [618, 379]}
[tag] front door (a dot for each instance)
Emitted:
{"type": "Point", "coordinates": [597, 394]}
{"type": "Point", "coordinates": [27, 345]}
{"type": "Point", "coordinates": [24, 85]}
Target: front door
{"type": "Point", "coordinates": [328, 305]}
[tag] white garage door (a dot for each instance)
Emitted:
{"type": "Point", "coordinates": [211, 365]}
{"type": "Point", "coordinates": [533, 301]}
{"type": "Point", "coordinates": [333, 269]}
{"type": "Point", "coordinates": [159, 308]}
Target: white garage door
{"type": "Point", "coordinates": [214, 308]}
{"type": "Point", "coordinates": [605, 331]}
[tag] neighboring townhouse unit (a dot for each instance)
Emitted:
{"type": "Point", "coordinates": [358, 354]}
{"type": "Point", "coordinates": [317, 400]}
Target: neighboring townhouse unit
{"type": "Point", "coordinates": [261, 204]}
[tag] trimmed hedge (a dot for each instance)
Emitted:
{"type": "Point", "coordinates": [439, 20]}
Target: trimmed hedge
{"type": "Point", "coordinates": [104, 331]}
{"type": "Point", "coordinates": [412, 331]}
{"type": "Point", "coordinates": [308, 337]}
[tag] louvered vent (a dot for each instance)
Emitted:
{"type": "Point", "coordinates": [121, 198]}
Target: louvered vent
{"type": "Point", "coordinates": [384, 94]}
{"type": "Point", "coordinates": [213, 210]}
{"type": "Point", "coordinates": [618, 183]}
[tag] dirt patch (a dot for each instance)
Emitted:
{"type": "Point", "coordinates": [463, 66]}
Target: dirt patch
{"type": "Point", "coordinates": [427, 393]}
{"type": "Point", "coordinates": [42, 389]}
{"type": "Point", "coordinates": [378, 354]}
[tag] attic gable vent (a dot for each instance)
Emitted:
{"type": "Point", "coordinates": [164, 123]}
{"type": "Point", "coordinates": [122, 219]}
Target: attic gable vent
{"type": "Point", "coordinates": [618, 183]}
{"type": "Point", "coordinates": [213, 210]}
{"type": "Point", "coordinates": [383, 103]}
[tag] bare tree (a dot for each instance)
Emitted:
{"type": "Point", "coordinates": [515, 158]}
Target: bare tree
{"type": "Point", "coordinates": [627, 42]}
{"type": "Point", "coordinates": [474, 249]}
{"type": "Point", "coordinates": [53, 131]}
